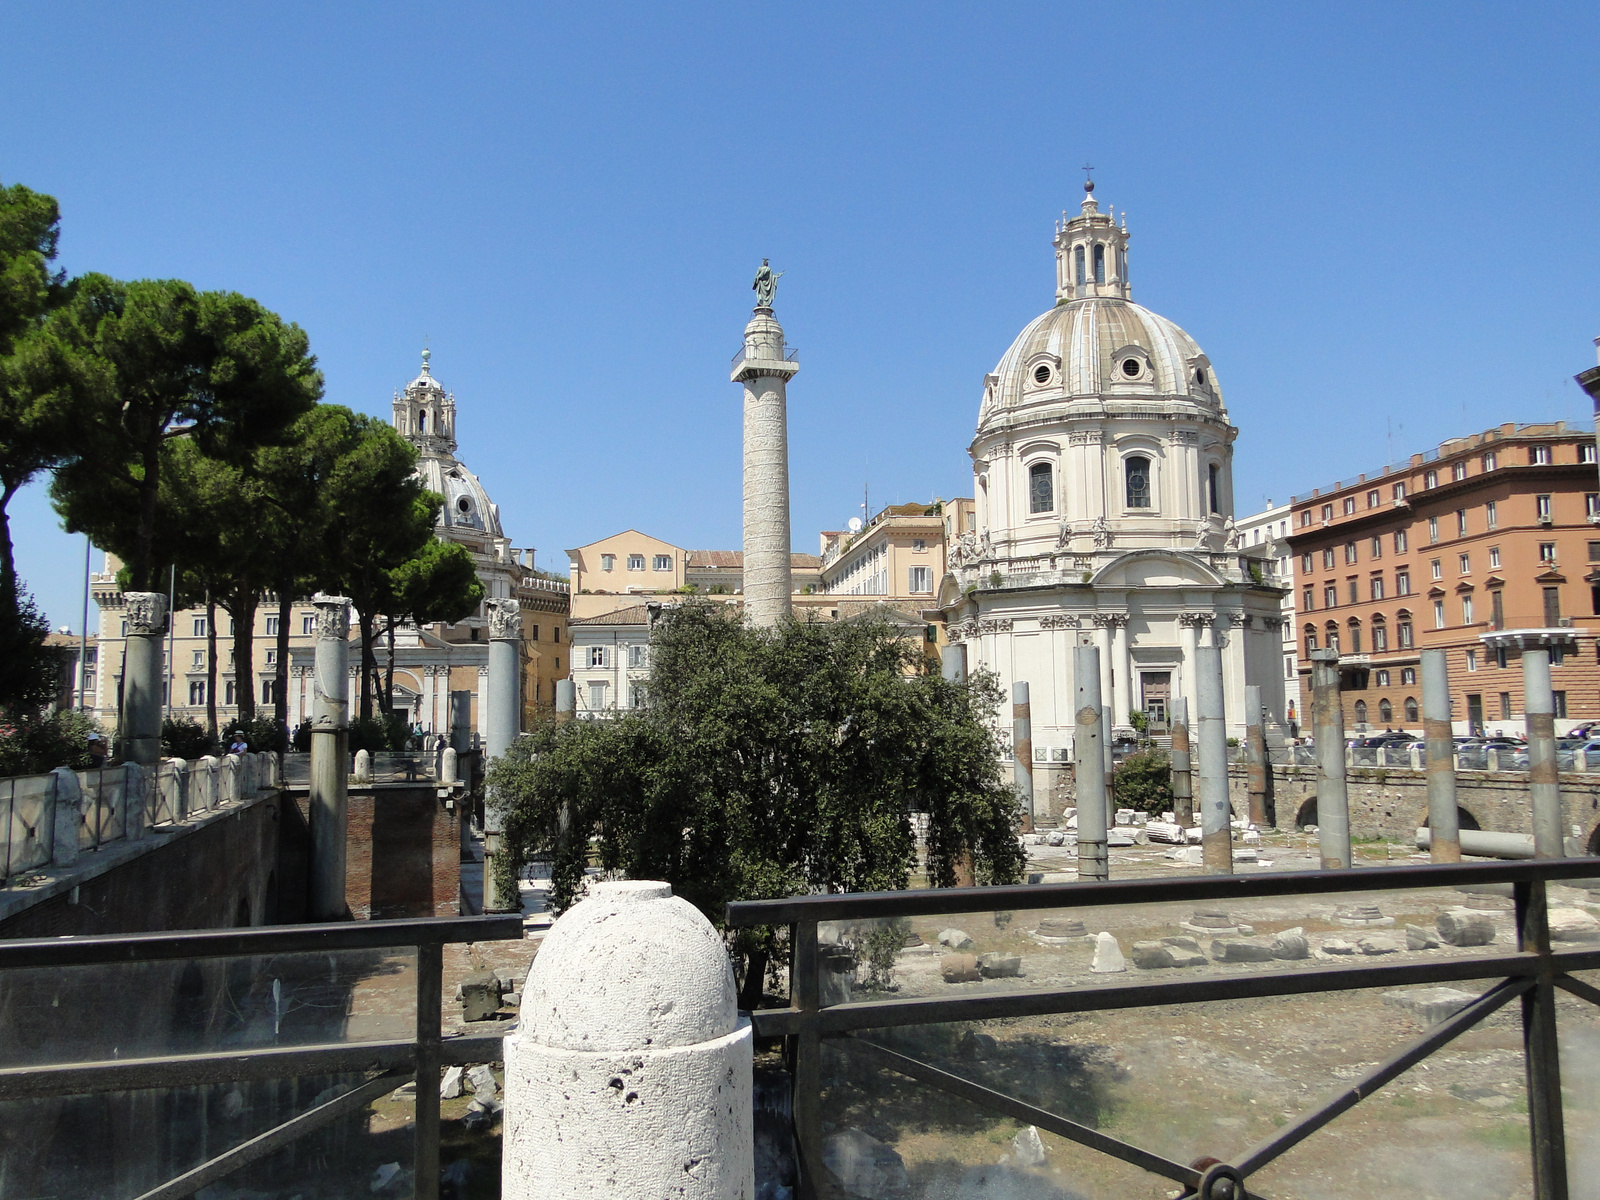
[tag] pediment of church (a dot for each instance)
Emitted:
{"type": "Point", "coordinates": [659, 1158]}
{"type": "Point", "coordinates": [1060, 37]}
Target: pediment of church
{"type": "Point", "coordinates": [1155, 569]}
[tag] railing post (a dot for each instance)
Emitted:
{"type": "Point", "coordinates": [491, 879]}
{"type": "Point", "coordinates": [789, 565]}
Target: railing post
{"type": "Point", "coordinates": [66, 806]}
{"type": "Point", "coordinates": [1541, 1053]}
{"type": "Point", "coordinates": [1182, 778]}
{"type": "Point", "coordinates": [1544, 778]}
{"type": "Point", "coordinates": [1216, 814]}
{"type": "Point", "coordinates": [805, 993]}
{"type": "Point", "coordinates": [1022, 751]}
{"type": "Point", "coordinates": [1444, 842]}
{"type": "Point", "coordinates": [430, 998]}
{"type": "Point", "coordinates": [1089, 768]}
{"type": "Point", "coordinates": [1333, 799]}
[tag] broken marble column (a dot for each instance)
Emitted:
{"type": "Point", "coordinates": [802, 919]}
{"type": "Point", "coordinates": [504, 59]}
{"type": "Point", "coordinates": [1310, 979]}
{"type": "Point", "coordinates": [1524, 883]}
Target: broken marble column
{"type": "Point", "coordinates": [1089, 770]}
{"type": "Point", "coordinates": [1544, 779]}
{"type": "Point", "coordinates": [1444, 845]}
{"type": "Point", "coordinates": [143, 676]}
{"type": "Point", "coordinates": [1022, 751]}
{"type": "Point", "coordinates": [1333, 797]}
{"type": "Point", "coordinates": [330, 741]}
{"type": "Point", "coordinates": [502, 722]}
{"type": "Point", "coordinates": [1216, 814]}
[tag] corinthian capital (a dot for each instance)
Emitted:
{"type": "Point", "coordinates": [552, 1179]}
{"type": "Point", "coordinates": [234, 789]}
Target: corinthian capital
{"type": "Point", "coordinates": [505, 619]}
{"type": "Point", "coordinates": [146, 611]}
{"type": "Point", "coordinates": [333, 616]}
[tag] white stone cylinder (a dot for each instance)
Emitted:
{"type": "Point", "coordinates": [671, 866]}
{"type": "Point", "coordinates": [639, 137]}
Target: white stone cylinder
{"type": "Point", "coordinates": [765, 373]}
{"type": "Point", "coordinates": [630, 1075]}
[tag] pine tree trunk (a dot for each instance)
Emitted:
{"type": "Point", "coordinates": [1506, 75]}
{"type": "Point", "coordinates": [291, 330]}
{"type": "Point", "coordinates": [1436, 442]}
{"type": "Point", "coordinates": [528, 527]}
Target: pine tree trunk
{"type": "Point", "coordinates": [281, 680]}
{"type": "Point", "coordinates": [211, 666]}
{"type": "Point", "coordinates": [368, 666]}
{"type": "Point", "coordinates": [243, 611]}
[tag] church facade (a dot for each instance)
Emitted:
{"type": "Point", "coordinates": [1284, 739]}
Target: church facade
{"type": "Point", "coordinates": [1103, 487]}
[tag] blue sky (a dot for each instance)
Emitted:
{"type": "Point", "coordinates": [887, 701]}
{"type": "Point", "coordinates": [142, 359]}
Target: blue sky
{"type": "Point", "coordinates": [1378, 220]}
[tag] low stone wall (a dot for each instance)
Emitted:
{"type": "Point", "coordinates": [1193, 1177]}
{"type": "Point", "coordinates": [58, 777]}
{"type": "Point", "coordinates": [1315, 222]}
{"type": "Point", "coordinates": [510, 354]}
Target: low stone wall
{"type": "Point", "coordinates": [1392, 802]}
{"type": "Point", "coordinates": [403, 853]}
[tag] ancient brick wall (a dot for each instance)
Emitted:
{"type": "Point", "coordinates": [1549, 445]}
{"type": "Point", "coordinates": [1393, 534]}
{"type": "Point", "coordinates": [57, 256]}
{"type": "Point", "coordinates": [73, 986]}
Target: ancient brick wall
{"type": "Point", "coordinates": [403, 854]}
{"type": "Point", "coordinates": [1393, 802]}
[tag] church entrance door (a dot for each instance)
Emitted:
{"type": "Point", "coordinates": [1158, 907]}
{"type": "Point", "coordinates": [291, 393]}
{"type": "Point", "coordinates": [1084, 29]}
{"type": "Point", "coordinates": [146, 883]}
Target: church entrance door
{"type": "Point", "coordinates": [1156, 698]}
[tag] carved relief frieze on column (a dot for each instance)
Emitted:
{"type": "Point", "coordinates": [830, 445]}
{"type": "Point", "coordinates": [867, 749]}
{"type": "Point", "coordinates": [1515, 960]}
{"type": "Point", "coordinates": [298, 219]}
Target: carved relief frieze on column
{"type": "Point", "coordinates": [505, 619]}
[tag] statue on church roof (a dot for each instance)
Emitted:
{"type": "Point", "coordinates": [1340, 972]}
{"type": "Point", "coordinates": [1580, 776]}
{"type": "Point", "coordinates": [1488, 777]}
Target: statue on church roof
{"type": "Point", "coordinates": [766, 285]}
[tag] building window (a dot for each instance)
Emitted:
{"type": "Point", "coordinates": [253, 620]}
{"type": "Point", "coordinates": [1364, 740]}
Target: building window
{"type": "Point", "coordinates": [1411, 708]}
{"type": "Point", "coordinates": [921, 580]}
{"type": "Point", "coordinates": [272, 627]}
{"type": "Point", "coordinates": [1355, 595]}
{"type": "Point", "coordinates": [636, 656]}
{"type": "Point", "coordinates": [1591, 505]}
{"type": "Point", "coordinates": [198, 661]}
{"type": "Point", "coordinates": [1399, 491]}
{"type": "Point", "coordinates": [1431, 479]}
{"type": "Point", "coordinates": [1497, 614]}
{"type": "Point", "coordinates": [1402, 583]}
{"type": "Point", "coordinates": [1547, 552]}
{"type": "Point", "coordinates": [1461, 522]}
{"type": "Point", "coordinates": [1381, 678]}
{"type": "Point", "coordinates": [635, 562]}
{"type": "Point", "coordinates": [1332, 633]}
{"type": "Point", "coordinates": [1586, 451]}
{"type": "Point", "coordinates": [1305, 559]}
{"type": "Point", "coordinates": [1361, 712]}
{"type": "Point", "coordinates": [1539, 456]}
{"type": "Point", "coordinates": [1560, 699]}
{"type": "Point", "coordinates": [1349, 505]}
{"type": "Point", "coordinates": [1376, 587]}
{"type": "Point", "coordinates": [197, 692]}
{"type": "Point", "coordinates": [1214, 487]}
{"type": "Point", "coordinates": [1490, 461]}
{"type": "Point", "coordinates": [272, 658]}
{"type": "Point", "coordinates": [661, 562]}
{"type": "Point", "coordinates": [636, 695]}
{"type": "Point", "coordinates": [1380, 639]}
{"type": "Point", "coordinates": [199, 627]}
{"type": "Point", "coordinates": [1377, 547]}
{"type": "Point", "coordinates": [1305, 518]}
{"type": "Point", "coordinates": [1458, 471]}
{"type": "Point", "coordinates": [1542, 507]}
{"type": "Point", "coordinates": [597, 696]}
{"type": "Point", "coordinates": [1327, 512]}
{"type": "Point", "coordinates": [1491, 516]}
{"type": "Point", "coordinates": [533, 633]}
{"type": "Point", "coordinates": [1308, 605]}
{"type": "Point", "coordinates": [1465, 563]}
{"type": "Point", "coordinates": [269, 688]}
{"type": "Point", "coordinates": [1099, 263]}
{"type": "Point", "coordinates": [1437, 567]}
{"type": "Point", "coordinates": [1311, 638]}
{"type": "Point", "coordinates": [919, 545]}
{"type": "Point", "coordinates": [1138, 472]}
{"type": "Point", "coordinates": [608, 562]}
{"type": "Point", "coordinates": [1350, 552]}
{"type": "Point", "coordinates": [228, 697]}
{"type": "Point", "coordinates": [1466, 610]}
{"type": "Point", "coordinates": [1438, 614]}
{"type": "Point", "coordinates": [1400, 541]}
{"type": "Point", "coordinates": [1552, 607]}
{"type": "Point", "coordinates": [597, 656]}
{"type": "Point", "coordinates": [1505, 706]}
{"type": "Point", "coordinates": [1041, 489]}
{"type": "Point", "coordinates": [1327, 559]}
{"type": "Point", "coordinates": [1355, 637]}
{"type": "Point", "coordinates": [1385, 711]}
{"type": "Point", "coordinates": [1330, 596]}
{"type": "Point", "coordinates": [1433, 529]}
{"type": "Point", "coordinates": [1372, 498]}
{"type": "Point", "coordinates": [1288, 666]}
{"type": "Point", "coordinates": [1403, 633]}
{"type": "Point", "coordinates": [1077, 259]}
{"type": "Point", "coordinates": [308, 624]}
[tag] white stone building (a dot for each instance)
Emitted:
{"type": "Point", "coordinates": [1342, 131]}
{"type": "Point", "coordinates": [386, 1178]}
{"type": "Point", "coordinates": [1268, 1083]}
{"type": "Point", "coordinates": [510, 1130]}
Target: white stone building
{"type": "Point", "coordinates": [1266, 534]}
{"type": "Point", "coordinates": [1104, 494]}
{"type": "Point", "coordinates": [611, 659]}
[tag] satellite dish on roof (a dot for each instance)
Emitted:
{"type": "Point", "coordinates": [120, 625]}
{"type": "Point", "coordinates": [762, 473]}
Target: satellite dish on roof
{"type": "Point", "coordinates": [855, 524]}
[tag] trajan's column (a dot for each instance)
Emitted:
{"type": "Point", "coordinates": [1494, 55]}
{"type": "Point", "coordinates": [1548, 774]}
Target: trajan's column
{"type": "Point", "coordinates": [765, 368]}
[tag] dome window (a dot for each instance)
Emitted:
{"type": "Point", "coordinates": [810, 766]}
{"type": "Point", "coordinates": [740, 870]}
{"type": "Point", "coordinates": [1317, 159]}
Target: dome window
{"type": "Point", "coordinates": [463, 505]}
{"type": "Point", "coordinates": [1200, 376]}
{"type": "Point", "coordinates": [1137, 470]}
{"type": "Point", "coordinates": [1041, 489]}
{"type": "Point", "coordinates": [1131, 367]}
{"type": "Point", "coordinates": [1041, 373]}
{"type": "Point", "coordinates": [1099, 263]}
{"type": "Point", "coordinates": [1077, 260]}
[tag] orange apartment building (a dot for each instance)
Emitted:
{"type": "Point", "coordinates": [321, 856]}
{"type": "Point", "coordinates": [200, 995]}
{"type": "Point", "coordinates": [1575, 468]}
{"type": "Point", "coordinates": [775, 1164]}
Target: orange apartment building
{"type": "Point", "coordinates": [1489, 533]}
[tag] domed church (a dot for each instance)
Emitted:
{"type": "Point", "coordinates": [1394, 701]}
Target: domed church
{"type": "Point", "coordinates": [1103, 477]}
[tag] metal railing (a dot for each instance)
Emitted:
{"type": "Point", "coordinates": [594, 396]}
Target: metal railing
{"type": "Point", "coordinates": [1531, 974]}
{"type": "Point", "coordinates": [790, 354]}
{"type": "Point", "coordinates": [395, 1061]}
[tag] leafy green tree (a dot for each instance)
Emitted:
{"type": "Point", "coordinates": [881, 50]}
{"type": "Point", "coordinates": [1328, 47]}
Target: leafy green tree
{"type": "Point", "coordinates": [767, 764]}
{"type": "Point", "coordinates": [380, 549]}
{"type": "Point", "coordinates": [166, 362]}
{"type": "Point", "coordinates": [1144, 781]}
{"type": "Point", "coordinates": [30, 670]}
{"type": "Point", "coordinates": [34, 405]}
